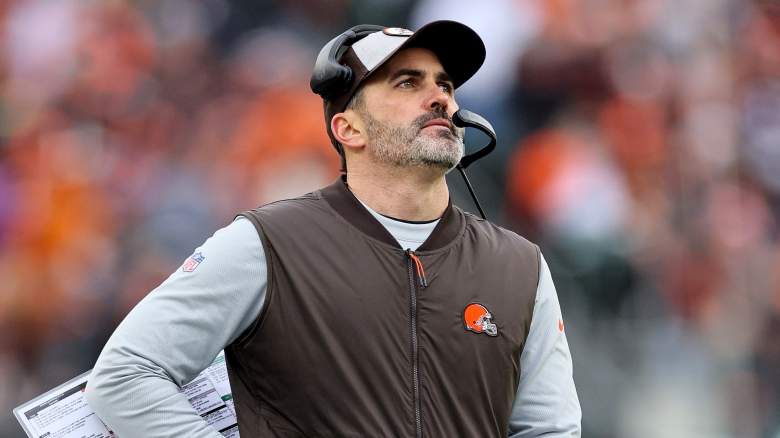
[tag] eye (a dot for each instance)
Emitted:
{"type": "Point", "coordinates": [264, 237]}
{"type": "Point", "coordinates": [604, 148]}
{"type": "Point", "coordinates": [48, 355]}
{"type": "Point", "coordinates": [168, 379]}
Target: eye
{"type": "Point", "coordinates": [446, 87]}
{"type": "Point", "coordinates": [406, 83]}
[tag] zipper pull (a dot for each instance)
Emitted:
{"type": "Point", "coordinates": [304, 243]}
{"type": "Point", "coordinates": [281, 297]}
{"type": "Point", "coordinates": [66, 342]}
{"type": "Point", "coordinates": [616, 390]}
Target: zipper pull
{"type": "Point", "coordinates": [420, 269]}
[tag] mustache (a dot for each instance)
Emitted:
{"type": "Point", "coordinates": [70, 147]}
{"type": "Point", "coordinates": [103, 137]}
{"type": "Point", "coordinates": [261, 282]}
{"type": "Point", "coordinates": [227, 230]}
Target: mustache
{"type": "Point", "coordinates": [420, 122]}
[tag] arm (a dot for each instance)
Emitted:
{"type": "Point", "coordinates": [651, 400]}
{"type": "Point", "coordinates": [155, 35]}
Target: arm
{"type": "Point", "coordinates": [174, 333]}
{"type": "Point", "coordinates": [546, 402]}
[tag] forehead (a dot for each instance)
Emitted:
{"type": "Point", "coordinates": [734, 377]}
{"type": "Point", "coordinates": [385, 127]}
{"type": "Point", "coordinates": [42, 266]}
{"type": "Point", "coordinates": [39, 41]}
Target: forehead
{"type": "Point", "coordinates": [412, 58]}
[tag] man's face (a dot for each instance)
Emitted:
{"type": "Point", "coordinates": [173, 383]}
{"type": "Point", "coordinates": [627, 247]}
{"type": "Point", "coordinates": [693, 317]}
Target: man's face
{"type": "Point", "coordinates": [407, 109]}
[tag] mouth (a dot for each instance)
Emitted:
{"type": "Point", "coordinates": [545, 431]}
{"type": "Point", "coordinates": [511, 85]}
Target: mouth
{"type": "Point", "coordinates": [440, 122]}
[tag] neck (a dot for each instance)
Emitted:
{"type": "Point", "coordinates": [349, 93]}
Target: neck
{"type": "Point", "coordinates": [412, 194]}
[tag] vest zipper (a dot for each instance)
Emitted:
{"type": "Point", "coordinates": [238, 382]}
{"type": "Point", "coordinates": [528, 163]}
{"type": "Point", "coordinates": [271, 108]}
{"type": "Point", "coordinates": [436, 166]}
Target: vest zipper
{"type": "Point", "coordinates": [414, 266]}
{"type": "Point", "coordinates": [420, 269]}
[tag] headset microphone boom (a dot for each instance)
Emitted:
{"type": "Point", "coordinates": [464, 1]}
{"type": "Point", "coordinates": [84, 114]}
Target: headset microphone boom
{"type": "Point", "coordinates": [467, 119]}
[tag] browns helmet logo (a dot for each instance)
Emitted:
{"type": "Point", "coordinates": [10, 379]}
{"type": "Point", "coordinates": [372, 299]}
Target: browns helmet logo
{"type": "Point", "coordinates": [479, 320]}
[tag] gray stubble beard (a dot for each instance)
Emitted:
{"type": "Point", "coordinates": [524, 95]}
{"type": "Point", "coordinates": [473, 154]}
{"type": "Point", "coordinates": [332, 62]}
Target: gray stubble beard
{"type": "Point", "coordinates": [408, 146]}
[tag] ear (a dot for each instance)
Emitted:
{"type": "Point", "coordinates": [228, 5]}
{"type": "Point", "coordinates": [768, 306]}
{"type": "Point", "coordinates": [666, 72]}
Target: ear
{"type": "Point", "coordinates": [348, 130]}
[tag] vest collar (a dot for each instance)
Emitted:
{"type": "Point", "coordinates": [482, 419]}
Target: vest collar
{"type": "Point", "coordinates": [341, 199]}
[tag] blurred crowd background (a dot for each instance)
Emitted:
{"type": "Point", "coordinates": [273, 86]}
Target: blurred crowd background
{"type": "Point", "coordinates": [639, 145]}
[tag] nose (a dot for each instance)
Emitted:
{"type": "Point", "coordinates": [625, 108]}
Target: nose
{"type": "Point", "coordinates": [439, 100]}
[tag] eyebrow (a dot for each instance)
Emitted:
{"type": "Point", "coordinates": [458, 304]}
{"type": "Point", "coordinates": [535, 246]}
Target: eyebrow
{"type": "Point", "coordinates": [405, 72]}
{"type": "Point", "coordinates": [441, 76]}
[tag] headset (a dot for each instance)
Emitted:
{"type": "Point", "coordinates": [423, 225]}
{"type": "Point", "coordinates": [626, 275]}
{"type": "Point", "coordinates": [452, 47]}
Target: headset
{"type": "Point", "coordinates": [467, 119]}
{"type": "Point", "coordinates": [330, 79]}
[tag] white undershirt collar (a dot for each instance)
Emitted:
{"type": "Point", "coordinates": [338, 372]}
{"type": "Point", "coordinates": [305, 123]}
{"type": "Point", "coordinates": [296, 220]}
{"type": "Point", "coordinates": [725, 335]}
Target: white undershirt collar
{"type": "Point", "coordinates": [409, 235]}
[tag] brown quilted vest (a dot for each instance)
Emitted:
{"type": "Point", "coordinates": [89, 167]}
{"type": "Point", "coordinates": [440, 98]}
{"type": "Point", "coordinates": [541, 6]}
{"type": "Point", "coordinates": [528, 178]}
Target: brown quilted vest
{"type": "Point", "coordinates": [360, 338]}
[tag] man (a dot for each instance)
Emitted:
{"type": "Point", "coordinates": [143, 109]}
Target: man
{"type": "Point", "coordinates": [369, 308]}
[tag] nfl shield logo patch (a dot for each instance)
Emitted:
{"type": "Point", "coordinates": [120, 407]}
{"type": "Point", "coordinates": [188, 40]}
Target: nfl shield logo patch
{"type": "Point", "coordinates": [191, 263]}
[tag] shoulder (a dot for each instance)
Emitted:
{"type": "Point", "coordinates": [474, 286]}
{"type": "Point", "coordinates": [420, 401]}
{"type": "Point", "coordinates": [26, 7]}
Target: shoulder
{"type": "Point", "coordinates": [235, 244]}
{"type": "Point", "coordinates": [237, 234]}
{"type": "Point", "coordinates": [239, 230]}
{"type": "Point", "coordinates": [499, 236]}
{"type": "Point", "coordinates": [500, 243]}
{"type": "Point", "coordinates": [286, 207]}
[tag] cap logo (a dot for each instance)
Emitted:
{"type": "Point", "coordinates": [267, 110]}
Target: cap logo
{"type": "Point", "coordinates": [477, 319]}
{"type": "Point", "coordinates": [397, 31]}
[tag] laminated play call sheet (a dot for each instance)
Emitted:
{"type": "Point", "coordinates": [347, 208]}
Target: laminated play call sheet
{"type": "Point", "coordinates": [63, 412]}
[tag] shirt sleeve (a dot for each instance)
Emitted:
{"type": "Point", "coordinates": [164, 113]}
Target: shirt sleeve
{"type": "Point", "coordinates": [546, 402]}
{"type": "Point", "coordinates": [174, 333]}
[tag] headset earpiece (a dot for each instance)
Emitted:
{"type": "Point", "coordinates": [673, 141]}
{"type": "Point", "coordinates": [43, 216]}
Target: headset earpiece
{"type": "Point", "coordinates": [329, 78]}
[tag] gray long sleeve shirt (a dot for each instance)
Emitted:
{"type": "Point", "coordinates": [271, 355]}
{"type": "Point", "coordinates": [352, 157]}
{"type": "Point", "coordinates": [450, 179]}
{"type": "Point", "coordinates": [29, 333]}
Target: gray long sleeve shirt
{"type": "Point", "coordinates": [177, 330]}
